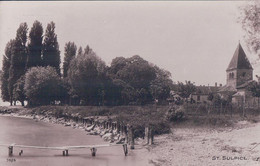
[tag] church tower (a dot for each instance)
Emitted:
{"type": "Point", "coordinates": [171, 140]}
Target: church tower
{"type": "Point", "coordinates": [239, 70]}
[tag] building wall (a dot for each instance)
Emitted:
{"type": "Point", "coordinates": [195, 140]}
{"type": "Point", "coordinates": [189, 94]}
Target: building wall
{"type": "Point", "coordinates": [200, 98]}
{"type": "Point", "coordinates": [237, 77]}
{"type": "Point", "coordinates": [232, 78]}
{"type": "Point", "coordinates": [246, 99]}
{"type": "Point", "coordinates": [244, 75]}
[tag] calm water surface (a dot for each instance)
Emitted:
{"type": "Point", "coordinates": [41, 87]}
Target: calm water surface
{"type": "Point", "coordinates": [28, 132]}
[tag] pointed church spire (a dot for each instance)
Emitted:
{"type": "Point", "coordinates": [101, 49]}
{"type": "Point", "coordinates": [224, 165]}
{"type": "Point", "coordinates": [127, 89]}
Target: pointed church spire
{"type": "Point", "coordinates": [239, 60]}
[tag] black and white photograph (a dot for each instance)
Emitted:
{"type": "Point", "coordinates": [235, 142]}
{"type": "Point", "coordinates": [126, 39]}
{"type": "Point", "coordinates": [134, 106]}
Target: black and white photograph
{"type": "Point", "coordinates": [130, 83]}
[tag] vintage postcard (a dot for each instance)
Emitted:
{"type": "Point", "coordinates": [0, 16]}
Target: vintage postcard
{"type": "Point", "coordinates": [133, 83]}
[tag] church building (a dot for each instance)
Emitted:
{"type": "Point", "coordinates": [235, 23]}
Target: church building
{"type": "Point", "coordinates": [239, 74]}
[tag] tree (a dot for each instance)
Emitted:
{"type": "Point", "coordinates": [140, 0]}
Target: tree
{"type": "Point", "coordinates": [80, 52]}
{"type": "Point", "coordinates": [138, 72]}
{"type": "Point", "coordinates": [136, 75]}
{"type": "Point", "coordinates": [70, 53]}
{"type": "Point", "coordinates": [250, 20]}
{"type": "Point", "coordinates": [161, 86]}
{"type": "Point", "coordinates": [184, 90]}
{"type": "Point", "coordinates": [112, 89]}
{"type": "Point", "coordinates": [18, 91]}
{"type": "Point", "coordinates": [211, 96]}
{"type": "Point", "coordinates": [88, 50]}
{"type": "Point", "coordinates": [117, 64]}
{"type": "Point", "coordinates": [35, 45]}
{"type": "Point", "coordinates": [86, 73]}
{"type": "Point", "coordinates": [18, 58]}
{"type": "Point", "coordinates": [51, 53]}
{"type": "Point", "coordinates": [254, 88]}
{"type": "Point", "coordinates": [42, 85]}
{"type": "Point", "coordinates": [5, 70]}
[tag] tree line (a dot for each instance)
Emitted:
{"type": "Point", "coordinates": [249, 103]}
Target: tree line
{"type": "Point", "coordinates": [31, 72]}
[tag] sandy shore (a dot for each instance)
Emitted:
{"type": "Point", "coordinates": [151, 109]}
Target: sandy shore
{"type": "Point", "coordinates": [237, 145]}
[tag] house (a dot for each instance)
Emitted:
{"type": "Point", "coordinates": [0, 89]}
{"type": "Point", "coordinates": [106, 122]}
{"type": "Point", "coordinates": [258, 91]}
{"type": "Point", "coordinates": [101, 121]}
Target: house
{"type": "Point", "coordinates": [201, 95]}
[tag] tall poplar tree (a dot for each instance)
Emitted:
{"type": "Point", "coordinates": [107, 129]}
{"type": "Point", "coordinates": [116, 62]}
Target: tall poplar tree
{"type": "Point", "coordinates": [35, 45]}
{"type": "Point", "coordinates": [51, 53]}
{"type": "Point", "coordinates": [18, 58]}
{"type": "Point", "coordinates": [80, 52]}
{"type": "Point", "coordinates": [5, 69]}
{"type": "Point", "coordinates": [70, 53]}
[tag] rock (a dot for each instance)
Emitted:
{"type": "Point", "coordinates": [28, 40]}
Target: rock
{"type": "Point", "coordinates": [90, 128]}
{"type": "Point", "coordinates": [103, 132]}
{"type": "Point", "coordinates": [92, 133]}
{"type": "Point", "coordinates": [111, 141]}
{"type": "Point", "coordinates": [121, 140]}
{"type": "Point", "coordinates": [107, 137]}
{"type": "Point", "coordinates": [67, 124]}
{"type": "Point", "coordinates": [116, 137]}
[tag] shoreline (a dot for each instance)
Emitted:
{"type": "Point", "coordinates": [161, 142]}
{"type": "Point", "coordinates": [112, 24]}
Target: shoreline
{"type": "Point", "coordinates": [193, 144]}
{"type": "Point", "coordinates": [107, 134]}
{"type": "Point", "coordinates": [25, 131]}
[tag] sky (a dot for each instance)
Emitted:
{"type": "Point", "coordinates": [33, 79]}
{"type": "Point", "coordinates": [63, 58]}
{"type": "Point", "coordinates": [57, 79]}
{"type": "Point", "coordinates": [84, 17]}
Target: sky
{"type": "Point", "coordinates": [193, 40]}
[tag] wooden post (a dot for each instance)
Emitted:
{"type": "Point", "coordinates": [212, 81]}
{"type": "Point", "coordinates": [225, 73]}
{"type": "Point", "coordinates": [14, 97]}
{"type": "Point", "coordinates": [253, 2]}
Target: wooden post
{"type": "Point", "coordinates": [118, 127]}
{"type": "Point", "coordinates": [151, 133]}
{"type": "Point", "coordinates": [93, 151]}
{"type": "Point", "coordinates": [122, 129]}
{"type": "Point", "coordinates": [21, 152]}
{"type": "Point", "coordinates": [10, 150]}
{"type": "Point", "coordinates": [107, 125]}
{"type": "Point", "coordinates": [131, 137]}
{"type": "Point", "coordinates": [66, 152]}
{"type": "Point", "coordinates": [110, 125]}
{"type": "Point", "coordinates": [146, 135]}
{"type": "Point", "coordinates": [125, 149]}
{"type": "Point", "coordinates": [126, 134]}
{"type": "Point", "coordinates": [113, 126]}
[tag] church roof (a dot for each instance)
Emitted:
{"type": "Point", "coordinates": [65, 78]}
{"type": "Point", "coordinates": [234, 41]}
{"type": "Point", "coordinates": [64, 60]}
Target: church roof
{"type": "Point", "coordinates": [239, 60]}
{"type": "Point", "coordinates": [244, 85]}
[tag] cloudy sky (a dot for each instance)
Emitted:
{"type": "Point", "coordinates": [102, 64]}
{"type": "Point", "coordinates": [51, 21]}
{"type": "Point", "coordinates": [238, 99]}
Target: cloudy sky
{"type": "Point", "coordinates": [193, 40]}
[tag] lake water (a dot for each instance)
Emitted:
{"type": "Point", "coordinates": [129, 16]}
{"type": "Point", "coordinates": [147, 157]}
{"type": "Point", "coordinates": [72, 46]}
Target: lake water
{"type": "Point", "coordinates": [29, 132]}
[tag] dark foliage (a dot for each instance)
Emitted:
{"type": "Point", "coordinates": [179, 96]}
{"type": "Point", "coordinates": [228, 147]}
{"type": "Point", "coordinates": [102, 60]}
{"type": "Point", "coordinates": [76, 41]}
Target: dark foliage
{"type": "Point", "coordinates": [51, 53]}
{"type": "Point", "coordinates": [35, 45]}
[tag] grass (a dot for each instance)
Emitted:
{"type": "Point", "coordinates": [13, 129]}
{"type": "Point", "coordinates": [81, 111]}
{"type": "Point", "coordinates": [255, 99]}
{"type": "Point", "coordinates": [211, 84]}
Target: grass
{"type": "Point", "coordinates": [149, 115]}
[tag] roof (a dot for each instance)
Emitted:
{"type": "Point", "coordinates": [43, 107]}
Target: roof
{"type": "Point", "coordinates": [227, 88]}
{"type": "Point", "coordinates": [205, 90]}
{"type": "Point", "coordinates": [239, 60]}
{"type": "Point", "coordinates": [238, 94]}
{"type": "Point", "coordinates": [244, 85]}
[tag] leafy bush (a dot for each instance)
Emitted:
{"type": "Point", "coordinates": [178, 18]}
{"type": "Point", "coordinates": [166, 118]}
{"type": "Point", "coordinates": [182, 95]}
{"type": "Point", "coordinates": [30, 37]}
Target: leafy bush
{"type": "Point", "coordinates": [42, 85]}
{"type": "Point", "coordinates": [175, 113]}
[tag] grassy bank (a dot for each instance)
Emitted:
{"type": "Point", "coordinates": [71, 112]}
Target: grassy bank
{"type": "Point", "coordinates": [137, 116]}
{"type": "Point", "coordinates": [141, 116]}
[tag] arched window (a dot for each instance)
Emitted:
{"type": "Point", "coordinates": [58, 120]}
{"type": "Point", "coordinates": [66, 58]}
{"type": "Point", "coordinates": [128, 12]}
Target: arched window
{"type": "Point", "coordinates": [231, 75]}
